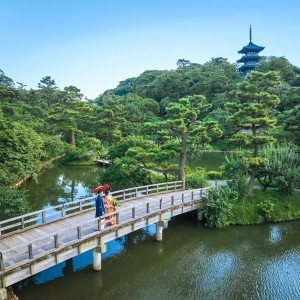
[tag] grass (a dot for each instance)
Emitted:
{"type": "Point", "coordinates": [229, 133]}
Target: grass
{"type": "Point", "coordinates": [224, 145]}
{"type": "Point", "coordinates": [87, 162]}
{"type": "Point", "coordinates": [286, 207]}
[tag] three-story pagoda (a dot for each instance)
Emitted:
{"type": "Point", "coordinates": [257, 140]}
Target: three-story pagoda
{"type": "Point", "coordinates": [251, 57]}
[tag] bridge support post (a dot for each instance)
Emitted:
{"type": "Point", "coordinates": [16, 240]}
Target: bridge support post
{"type": "Point", "coordinates": [199, 215]}
{"type": "Point", "coordinates": [97, 256]}
{"type": "Point", "coordinates": [159, 229]}
{"type": "Point", "coordinates": [3, 293]}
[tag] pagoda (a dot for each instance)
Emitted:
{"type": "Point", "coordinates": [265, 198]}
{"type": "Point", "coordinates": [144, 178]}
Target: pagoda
{"type": "Point", "coordinates": [250, 58]}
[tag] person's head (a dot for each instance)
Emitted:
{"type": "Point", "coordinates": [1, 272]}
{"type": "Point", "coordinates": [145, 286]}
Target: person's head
{"type": "Point", "coordinates": [107, 192]}
{"type": "Point", "coordinates": [100, 192]}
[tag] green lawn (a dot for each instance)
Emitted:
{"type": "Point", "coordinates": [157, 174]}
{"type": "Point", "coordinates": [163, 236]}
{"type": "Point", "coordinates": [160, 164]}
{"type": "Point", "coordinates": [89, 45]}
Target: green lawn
{"type": "Point", "coordinates": [87, 162]}
{"type": "Point", "coordinates": [286, 207]}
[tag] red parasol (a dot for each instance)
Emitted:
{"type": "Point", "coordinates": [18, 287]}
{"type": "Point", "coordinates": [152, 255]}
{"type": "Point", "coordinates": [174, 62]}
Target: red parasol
{"type": "Point", "coordinates": [103, 187]}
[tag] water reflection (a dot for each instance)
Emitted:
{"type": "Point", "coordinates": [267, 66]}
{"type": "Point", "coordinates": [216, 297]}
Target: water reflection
{"type": "Point", "coordinates": [192, 262]}
{"type": "Point", "coordinates": [61, 184]}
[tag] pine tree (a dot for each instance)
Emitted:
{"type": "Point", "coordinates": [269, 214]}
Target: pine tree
{"type": "Point", "coordinates": [252, 115]}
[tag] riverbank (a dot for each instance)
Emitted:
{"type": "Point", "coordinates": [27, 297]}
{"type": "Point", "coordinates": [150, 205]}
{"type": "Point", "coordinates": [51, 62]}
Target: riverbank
{"type": "Point", "coordinates": [88, 162]}
{"type": "Point", "coordinates": [269, 206]}
{"type": "Point", "coordinates": [45, 166]}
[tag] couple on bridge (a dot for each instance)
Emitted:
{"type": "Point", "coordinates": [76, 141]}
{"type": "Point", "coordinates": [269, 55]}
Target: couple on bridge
{"type": "Point", "coordinates": [105, 206]}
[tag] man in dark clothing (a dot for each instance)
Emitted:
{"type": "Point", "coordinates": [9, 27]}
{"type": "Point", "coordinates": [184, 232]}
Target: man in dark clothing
{"type": "Point", "coordinates": [100, 209]}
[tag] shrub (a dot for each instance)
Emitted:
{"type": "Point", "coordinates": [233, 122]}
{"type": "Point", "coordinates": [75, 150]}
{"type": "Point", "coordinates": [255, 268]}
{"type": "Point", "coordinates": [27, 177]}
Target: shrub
{"type": "Point", "coordinates": [53, 146]}
{"type": "Point", "coordinates": [236, 169]}
{"type": "Point", "coordinates": [76, 153]}
{"type": "Point", "coordinates": [197, 179]}
{"type": "Point", "coordinates": [12, 202]}
{"type": "Point", "coordinates": [214, 175]}
{"type": "Point", "coordinates": [266, 209]}
{"type": "Point", "coordinates": [218, 207]}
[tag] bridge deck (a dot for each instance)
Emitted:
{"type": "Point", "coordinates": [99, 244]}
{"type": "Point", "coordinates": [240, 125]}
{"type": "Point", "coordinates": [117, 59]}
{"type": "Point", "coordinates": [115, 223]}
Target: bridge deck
{"type": "Point", "coordinates": [51, 228]}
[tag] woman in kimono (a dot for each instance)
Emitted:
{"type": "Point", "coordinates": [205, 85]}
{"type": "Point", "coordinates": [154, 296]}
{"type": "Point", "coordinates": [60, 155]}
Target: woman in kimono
{"type": "Point", "coordinates": [100, 209]}
{"type": "Point", "coordinates": [109, 207]}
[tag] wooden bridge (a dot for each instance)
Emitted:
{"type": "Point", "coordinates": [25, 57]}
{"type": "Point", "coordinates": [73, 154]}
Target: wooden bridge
{"type": "Point", "coordinates": [104, 162]}
{"type": "Point", "coordinates": [36, 241]}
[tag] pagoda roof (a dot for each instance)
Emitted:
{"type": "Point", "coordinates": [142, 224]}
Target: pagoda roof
{"type": "Point", "coordinates": [248, 57]}
{"type": "Point", "coordinates": [251, 48]}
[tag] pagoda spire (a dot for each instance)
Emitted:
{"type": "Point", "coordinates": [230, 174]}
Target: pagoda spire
{"type": "Point", "coordinates": [250, 34]}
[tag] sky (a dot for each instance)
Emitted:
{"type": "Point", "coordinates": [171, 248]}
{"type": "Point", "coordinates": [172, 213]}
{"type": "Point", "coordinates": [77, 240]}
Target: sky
{"type": "Point", "coordinates": [95, 44]}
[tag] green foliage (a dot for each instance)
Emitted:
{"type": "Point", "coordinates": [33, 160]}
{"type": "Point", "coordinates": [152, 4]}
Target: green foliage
{"type": "Point", "coordinates": [53, 146]}
{"type": "Point", "coordinates": [236, 170]}
{"type": "Point", "coordinates": [214, 175]}
{"type": "Point", "coordinates": [256, 97]}
{"type": "Point", "coordinates": [286, 207]}
{"type": "Point", "coordinates": [279, 64]}
{"type": "Point", "coordinates": [21, 149]}
{"type": "Point", "coordinates": [196, 179]}
{"type": "Point", "coordinates": [125, 173]}
{"type": "Point", "coordinates": [218, 207]}
{"type": "Point", "coordinates": [281, 164]}
{"type": "Point", "coordinates": [12, 202]}
{"type": "Point", "coordinates": [184, 129]}
{"type": "Point", "coordinates": [292, 123]}
{"type": "Point", "coordinates": [75, 154]}
{"type": "Point", "coordinates": [266, 209]}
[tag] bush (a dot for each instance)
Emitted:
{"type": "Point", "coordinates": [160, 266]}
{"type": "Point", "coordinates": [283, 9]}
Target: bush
{"type": "Point", "coordinates": [197, 179]}
{"type": "Point", "coordinates": [76, 153]}
{"type": "Point", "coordinates": [236, 169]}
{"type": "Point", "coordinates": [214, 175]}
{"type": "Point", "coordinates": [239, 185]}
{"type": "Point", "coordinates": [12, 202]}
{"type": "Point", "coordinates": [218, 207]}
{"type": "Point", "coordinates": [266, 209]}
{"type": "Point", "coordinates": [53, 146]}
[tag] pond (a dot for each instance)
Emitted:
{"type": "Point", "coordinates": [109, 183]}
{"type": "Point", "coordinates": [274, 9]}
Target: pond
{"type": "Point", "coordinates": [192, 261]}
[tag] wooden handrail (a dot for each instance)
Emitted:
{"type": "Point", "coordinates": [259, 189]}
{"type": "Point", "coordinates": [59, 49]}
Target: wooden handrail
{"type": "Point", "coordinates": [77, 205]}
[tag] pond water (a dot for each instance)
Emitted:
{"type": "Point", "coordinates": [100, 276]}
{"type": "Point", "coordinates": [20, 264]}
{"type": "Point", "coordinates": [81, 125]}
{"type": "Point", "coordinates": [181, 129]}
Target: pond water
{"type": "Point", "coordinates": [192, 261]}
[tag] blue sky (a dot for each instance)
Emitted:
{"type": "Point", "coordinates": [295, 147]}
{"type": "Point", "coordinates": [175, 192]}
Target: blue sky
{"type": "Point", "coordinates": [95, 44]}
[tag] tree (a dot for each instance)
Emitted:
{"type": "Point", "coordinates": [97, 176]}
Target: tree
{"type": "Point", "coordinates": [21, 150]}
{"type": "Point", "coordinates": [130, 160]}
{"type": "Point", "coordinates": [70, 117]}
{"type": "Point", "coordinates": [279, 64]}
{"type": "Point", "coordinates": [48, 90]}
{"type": "Point", "coordinates": [6, 80]}
{"type": "Point", "coordinates": [236, 170]}
{"type": "Point", "coordinates": [73, 92]}
{"type": "Point", "coordinates": [183, 124]}
{"type": "Point", "coordinates": [251, 114]}
{"type": "Point", "coordinates": [183, 62]}
{"type": "Point", "coordinates": [281, 162]}
{"type": "Point", "coordinates": [292, 122]}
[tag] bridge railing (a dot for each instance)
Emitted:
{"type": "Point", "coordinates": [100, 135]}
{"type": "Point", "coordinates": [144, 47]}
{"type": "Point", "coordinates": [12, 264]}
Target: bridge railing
{"type": "Point", "coordinates": [70, 208]}
{"type": "Point", "coordinates": [60, 239]}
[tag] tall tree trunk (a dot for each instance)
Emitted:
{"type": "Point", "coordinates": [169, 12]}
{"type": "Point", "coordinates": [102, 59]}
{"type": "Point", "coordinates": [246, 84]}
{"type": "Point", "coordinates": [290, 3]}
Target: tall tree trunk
{"type": "Point", "coordinates": [252, 178]}
{"type": "Point", "coordinates": [181, 176]}
{"type": "Point", "coordinates": [73, 137]}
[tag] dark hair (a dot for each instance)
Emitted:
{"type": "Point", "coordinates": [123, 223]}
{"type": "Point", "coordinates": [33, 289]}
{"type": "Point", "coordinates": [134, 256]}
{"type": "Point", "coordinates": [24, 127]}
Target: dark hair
{"type": "Point", "coordinates": [99, 191]}
{"type": "Point", "coordinates": [107, 191]}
